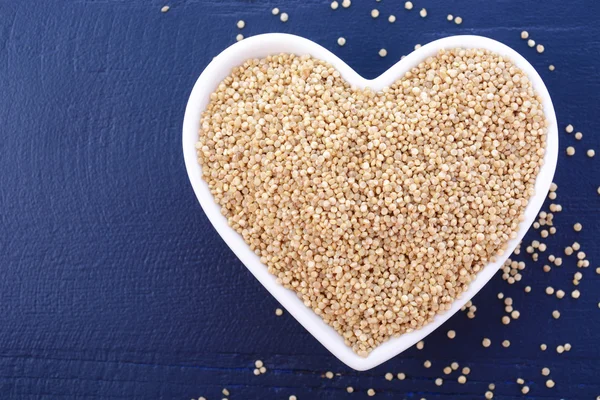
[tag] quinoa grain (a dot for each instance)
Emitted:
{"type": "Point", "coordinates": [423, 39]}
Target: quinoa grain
{"type": "Point", "coordinates": [321, 180]}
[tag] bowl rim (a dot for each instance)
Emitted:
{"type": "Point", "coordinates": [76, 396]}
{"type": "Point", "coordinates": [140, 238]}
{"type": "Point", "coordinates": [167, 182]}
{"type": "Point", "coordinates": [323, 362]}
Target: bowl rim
{"type": "Point", "coordinates": [274, 43]}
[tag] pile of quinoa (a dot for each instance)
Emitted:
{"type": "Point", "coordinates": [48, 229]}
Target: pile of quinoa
{"type": "Point", "coordinates": [376, 208]}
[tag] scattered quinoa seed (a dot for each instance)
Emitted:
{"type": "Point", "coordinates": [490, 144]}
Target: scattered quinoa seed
{"type": "Point", "coordinates": [551, 67]}
{"type": "Point", "coordinates": [392, 19]}
{"type": "Point", "coordinates": [382, 53]}
{"type": "Point", "coordinates": [408, 5]}
{"type": "Point", "coordinates": [525, 389]}
{"type": "Point", "coordinates": [371, 392]}
{"type": "Point", "coordinates": [439, 381]}
{"type": "Point", "coordinates": [275, 11]}
{"type": "Point", "coordinates": [550, 383]}
{"type": "Point", "coordinates": [531, 43]}
{"type": "Point", "coordinates": [462, 379]}
{"type": "Point", "coordinates": [225, 392]}
{"type": "Point", "coordinates": [239, 37]}
{"type": "Point", "coordinates": [283, 17]}
{"type": "Point", "coordinates": [341, 41]}
{"type": "Point", "coordinates": [489, 395]}
{"type": "Point", "coordinates": [524, 35]}
{"type": "Point", "coordinates": [329, 375]}
{"type": "Point", "coordinates": [556, 314]}
{"type": "Point", "coordinates": [420, 345]}
{"type": "Point", "coordinates": [454, 366]}
{"type": "Point", "coordinates": [427, 364]}
{"type": "Point", "coordinates": [520, 381]}
{"type": "Point", "coordinates": [374, 13]}
{"type": "Point", "coordinates": [241, 24]}
{"type": "Point", "coordinates": [486, 342]}
{"type": "Point", "coordinates": [423, 13]}
{"type": "Point", "coordinates": [543, 347]}
{"type": "Point", "coordinates": [466, 370]}
{"type": "Point", "coordinates": [505, 343]}
{"type": "Point", "coordinates": [450, 17]}
{"type": "Point", "coordinates": [578, 135]}
{"type": "Point", "coordinates": [451, 334]}
{"type": "Point", "coordinates": [569, 128]}
{"type": "Point", "coordinates": [389, 376]}
{"type": "Point", "coordinates": [258, 363]}
{"type": "Point", "coordinates": [545, 371]}
{"type": "Point", "coordinates": [346, 3]}
{"type": "Point", "coordinates": [458, 20]}
{"type": "Point", "coordinates": [350, 389]}
{"type": "Point", "coordinates": [570, 150]}
{"type": "Point", "coordinates": [334, 5]}
{"type": "Point", "coordinates": [401, 376]}
{"type": "Point", "coordinates": [591, 153]}
{"type": "Point", "coordinates": [540, 48]}
{"type": "Point", "coordinates": [164, 9]}
{"type": "Point", "coordinates": [577, 227]}
{"type": "Point", "coordinates": [278, 312]}
{"type": "Point", "coordinates": [575, 294]}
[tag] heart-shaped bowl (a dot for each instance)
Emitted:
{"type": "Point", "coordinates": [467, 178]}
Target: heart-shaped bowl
{"type": "Point", "coordinates": [273, 43]}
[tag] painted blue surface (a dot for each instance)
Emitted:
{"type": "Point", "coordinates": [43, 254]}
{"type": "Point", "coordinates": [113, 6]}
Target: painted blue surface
{"type": "Point", "coordinates": [114, 285]}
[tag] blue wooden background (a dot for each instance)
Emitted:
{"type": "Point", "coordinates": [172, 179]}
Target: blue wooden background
{"type": "Point", "coordinates": [114, 285]}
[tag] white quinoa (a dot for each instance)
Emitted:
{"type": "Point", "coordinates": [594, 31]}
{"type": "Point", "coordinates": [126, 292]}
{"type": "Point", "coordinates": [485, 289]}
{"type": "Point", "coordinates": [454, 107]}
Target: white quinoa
{"type": "Point", "coordinates": [350, 197]}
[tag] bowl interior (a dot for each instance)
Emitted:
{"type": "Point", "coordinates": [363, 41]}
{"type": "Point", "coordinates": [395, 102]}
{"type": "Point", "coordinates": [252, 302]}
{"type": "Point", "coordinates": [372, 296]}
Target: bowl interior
{"type": "Point", "coordinates": [263, 45]}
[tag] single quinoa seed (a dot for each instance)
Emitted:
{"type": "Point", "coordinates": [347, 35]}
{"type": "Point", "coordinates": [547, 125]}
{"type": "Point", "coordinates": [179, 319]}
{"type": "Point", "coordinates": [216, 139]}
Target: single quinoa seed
{"type": "Point", "coordinates": [324, 181]}
{"type": "Point", "coordinates": [486, 342]}
{"type": "Point", "coordinates": [545, 371]}
{"type": "Point", "coordinates": [241, 24]}
{"type": "Point", "coordinates": [556, 314]}
{"type": "Point", "coordinates": [531, 43]}
{"type": "Point", "coordinates": [346, 3]}
{"type": "Point", "coordinates": [283, 17]}
{"type": "Point", "coordinates": [577, 227]}
{"type": "Point", "coordinates": [334, 5]}
{"type": "Point", "coordinates": [382, 53]}
{"type": "Point", "coordinates": [550, 383]}
{"type": "Point", "coordinates": [341, 41]}
{"type": "Point", "coordinates": [371, 392]}
{"type": "Point", "coordinates": [401, 376]}
{"type": "Point", "coordinates": [420, 345]}
{"type": "Point", "coordinates": [540, 48]}
{"type": "Point", "coordinates": [408, 5]}
{"type": "Point", "coordinates": [350, 389]}
{"type": "Point", "coordinates": [543, 347]}
{"type": "Point", "coordinates": [462, 379]}
{"type": "Point", "coordinates": [239, 37]}
{"type": "Point", "coordinates": [439, 381]}
{"type": "Point", "coordinates": [165, 9]}
{"type": "Point", "coordinates": [423, 13]}
{"type": "Point", "coordinates": [569, 128]}
{"type": "Point", "coordinates": [578, 135]}
{"type": "Point", "coordinates": [570, 150]}
{"type": "Point", "coordinates": [591, 153]}
{"type": "Point", "coordinates": [524, 35]}
{"type": "Point", "coordinates": [392, 19]}
{"type": "Point", "coordinates": [329, 375]}
{"type": "Point", "coordinates": [374, 13]}
{"type": "Point", "coordinates": [506, 343]}
{"type": "Point", "coordinates": [275, 11]}
{"type": "Point", "coordinates": [451, 334]}
{"type": "Point", "coordinates": [449, 17]}
{"type": "Point", "coordinates": [551, 67]}
{"type": "Point", "coordinates": [458, 20]}
{"type": "Point", "coordinates": [278, 312]}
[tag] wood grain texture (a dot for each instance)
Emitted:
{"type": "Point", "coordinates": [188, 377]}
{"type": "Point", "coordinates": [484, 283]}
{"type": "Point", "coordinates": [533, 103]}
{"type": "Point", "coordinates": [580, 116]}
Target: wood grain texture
{"type": "Point", "coordinates": [114, 285]}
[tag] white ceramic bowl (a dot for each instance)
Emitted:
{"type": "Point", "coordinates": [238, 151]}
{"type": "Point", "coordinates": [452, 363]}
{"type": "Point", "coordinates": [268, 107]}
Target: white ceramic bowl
{"type": "Point", "coordinates": [273, 43]}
